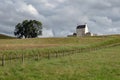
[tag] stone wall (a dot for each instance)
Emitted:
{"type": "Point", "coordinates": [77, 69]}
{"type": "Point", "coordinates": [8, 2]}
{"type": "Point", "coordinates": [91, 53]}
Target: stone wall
{"type": "Point", "coordinates": [80, 32]}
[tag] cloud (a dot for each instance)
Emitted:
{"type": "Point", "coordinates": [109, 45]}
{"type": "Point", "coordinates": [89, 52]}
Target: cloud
{"type": "Point", "coordinates": [47, 33]}
{"type": "Point", "coordinates": [60, 17]}
{"type": "Point", "coordinates": [101, 20]}
{"type": "Point", "coordinates": [28, 9]}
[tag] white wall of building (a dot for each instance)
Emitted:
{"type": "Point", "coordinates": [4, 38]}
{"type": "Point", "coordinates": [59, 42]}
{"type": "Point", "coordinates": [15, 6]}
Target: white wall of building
{"type": "Point", "coordinates": [86, 29]}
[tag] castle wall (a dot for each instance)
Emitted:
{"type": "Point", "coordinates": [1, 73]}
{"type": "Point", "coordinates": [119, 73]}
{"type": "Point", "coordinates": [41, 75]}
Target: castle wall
{"type": "Point", "coordinates": [86, 29]}
{"type": "Point", "coordinates": [80, 32]}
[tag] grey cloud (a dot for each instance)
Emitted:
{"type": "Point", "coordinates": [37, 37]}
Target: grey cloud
{"type": "Point", "coordinates": [60, 17]}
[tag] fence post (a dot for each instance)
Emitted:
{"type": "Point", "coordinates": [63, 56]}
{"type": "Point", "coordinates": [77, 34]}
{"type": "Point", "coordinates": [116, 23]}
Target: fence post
{"type": "Point", "coordinates": [3, 60]}
{"type": "Point", "coordinates": [23, 58]}
{"type": "Point", "coordinates": [10, 58]}
{"type": "Point", "coordinates": [56, 55]}
{"type": "Point", "coordinates": [63, 53]}
{"type": "Point", "coordinates": [48, 55]}
{"type": "Point", "coordinates": [72, 52]}
{"type": "Point", "coordinates": [37, 57]}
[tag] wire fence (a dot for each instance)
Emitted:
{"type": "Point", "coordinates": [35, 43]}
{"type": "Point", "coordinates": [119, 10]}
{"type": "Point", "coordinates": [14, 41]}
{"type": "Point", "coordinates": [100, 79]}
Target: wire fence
{"type": "Point", "coordinates": [22, 57]}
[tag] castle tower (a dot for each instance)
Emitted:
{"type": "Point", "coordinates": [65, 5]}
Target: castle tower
{"type": "Point", "coordinates": [81, 30]}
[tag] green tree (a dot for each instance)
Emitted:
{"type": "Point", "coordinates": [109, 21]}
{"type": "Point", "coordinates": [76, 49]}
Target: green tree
{"type": "Point", "coordinates": [28, 29]}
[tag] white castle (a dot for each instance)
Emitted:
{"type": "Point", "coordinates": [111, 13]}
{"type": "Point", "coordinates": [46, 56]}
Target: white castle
{"type": "Point", "coordinates": [82, 30]}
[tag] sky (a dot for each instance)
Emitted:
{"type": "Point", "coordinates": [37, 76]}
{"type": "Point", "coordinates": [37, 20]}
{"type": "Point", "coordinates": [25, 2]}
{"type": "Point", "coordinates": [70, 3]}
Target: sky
{"type": "Point", "coordinates": [60, 17]}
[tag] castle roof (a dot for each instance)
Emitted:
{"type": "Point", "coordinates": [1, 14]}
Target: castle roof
{"type": "Point", "coordinates": [81, 26]}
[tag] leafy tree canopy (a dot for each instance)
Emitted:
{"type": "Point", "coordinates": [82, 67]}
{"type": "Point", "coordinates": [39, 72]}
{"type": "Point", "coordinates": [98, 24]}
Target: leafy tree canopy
{"type": "Point", "coordinates": [28, 29]}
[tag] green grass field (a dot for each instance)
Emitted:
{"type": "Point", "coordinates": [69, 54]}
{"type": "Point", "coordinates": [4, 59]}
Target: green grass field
{"type": "Point", "coordinates": [101, 64]}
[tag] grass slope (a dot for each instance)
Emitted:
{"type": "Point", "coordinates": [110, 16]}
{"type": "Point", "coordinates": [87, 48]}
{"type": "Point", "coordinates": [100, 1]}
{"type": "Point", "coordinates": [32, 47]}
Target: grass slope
{"type": "Point", "coordinates": [2, 36]}
{"type": "Point", "coordinates": [53, 45]}
{"type": "Point", "coordinates": [102, 64]}
{"type": "Point", "coordinates": [17, 44]}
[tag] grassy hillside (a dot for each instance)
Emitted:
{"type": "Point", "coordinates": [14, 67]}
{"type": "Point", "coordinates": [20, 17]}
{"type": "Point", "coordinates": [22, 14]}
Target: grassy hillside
{"type": "Point", "coordinates": [13, 44]}
{"type": "Point", "coordinates": [53, 44]}
{"type": "Point", "coordinates": [2, 36]}
{"type": "Point", "coordinates": [100, 64]}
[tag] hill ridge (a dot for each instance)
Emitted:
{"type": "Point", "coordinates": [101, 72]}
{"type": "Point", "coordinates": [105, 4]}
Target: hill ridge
{"type": "Point", "coordinates": [3, 36]}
